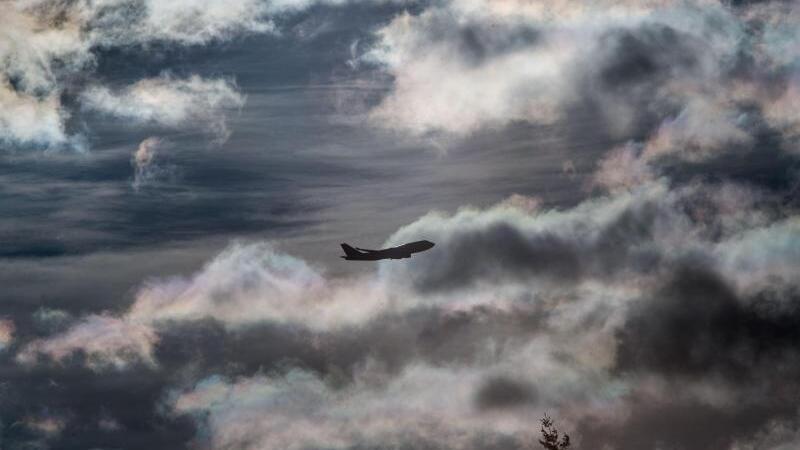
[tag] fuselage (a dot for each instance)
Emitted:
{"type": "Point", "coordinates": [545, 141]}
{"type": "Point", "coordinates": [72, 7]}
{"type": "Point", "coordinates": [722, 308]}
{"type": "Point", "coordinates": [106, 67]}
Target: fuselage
{"type": "Point", "coordinates": [399, 252]}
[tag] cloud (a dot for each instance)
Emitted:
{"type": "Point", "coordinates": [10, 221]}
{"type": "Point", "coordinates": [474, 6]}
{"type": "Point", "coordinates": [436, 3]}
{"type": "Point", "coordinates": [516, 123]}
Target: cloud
{"type": "Point", "coordinates": [46, 44]}
{"type": "Point", "coordinates": [456, 72]}
{"type": "Point", "coordinates": [781, 111]}
{"type": "Point", "coordinates": [170, 102]}
{"type": "Point", "coordinates": [49, 426]}
{"type": "Point", "coordinates": [125, 22]}
{"type": "Point", "coordinates": [662, 303]}
{"type": "Point", "coordinates": [198, 22]}
{"type": "Point", "coordinates": [435, 405]}
{"type": "Point", "coordinates": [31, 110]}
{"type": "Point", "coordinates": [612, 314]}
{"type": "Point", "coordinates": [7, 329]}
{"type": "Point", "coordinates": [31, 120]}
{"type": "Point", "coordinates": [51, 320]}
{"type": "Point", "coordinates": [244, 414]}
{"type": "Point", "coordinates": [697, 325]}
{"type": "Point", "coordinates": [701, 129]}
{"type": "Point", "coordinates": [700, 132]}
{"type": "Point", "coordinates": [685, 74]}
{"type": "Point", "coordinates": [780, 37]}
{"type": "Point", "coordinates": [762, 258]}
{"type": "Point", "coordinates": [612, 236]}
{"type": "Point", "coordinates": [778, 435]}
{"type": "Point", "coordinates": [664, 416]}
{"type": "Point", "coordinates": [502, 392]}
{"type": "Point", "coordinates": [244, 285]}
{"type": "Point", "coordinates": [105, 340]}
{"type": "Point", "coordinates": [251, 283]}
{"type": "Point", "coordinates": [143, 160]}
{"type": "Point", "coordinates": [497, 256]}
{"type": "Point", "coordinates": [623, 168]}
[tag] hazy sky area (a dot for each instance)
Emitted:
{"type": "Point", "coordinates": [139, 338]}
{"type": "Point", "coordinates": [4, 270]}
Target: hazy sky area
{"type": "Point", "coordinates": [612, 187]}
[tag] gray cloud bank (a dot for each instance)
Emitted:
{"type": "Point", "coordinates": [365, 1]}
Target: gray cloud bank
{"type": "Point", "coordinates": [613, 315]}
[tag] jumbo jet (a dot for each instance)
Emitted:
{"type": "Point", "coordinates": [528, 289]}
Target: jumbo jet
{"type": "Point", "coordinates": [403, 251]}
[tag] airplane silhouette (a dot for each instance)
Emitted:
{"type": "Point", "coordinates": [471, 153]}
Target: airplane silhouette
{"type": "Point", "coordinates": [402, 251]}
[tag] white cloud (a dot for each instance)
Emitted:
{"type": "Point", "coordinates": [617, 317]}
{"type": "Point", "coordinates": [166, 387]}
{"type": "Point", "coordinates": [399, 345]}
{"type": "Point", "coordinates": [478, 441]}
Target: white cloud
{"type": "Point", "coordinates": [422, 406]}
{"type": "Point", "coordinates": [29, 46]}
{"type": "Point", "coordinates": [29, 120]}
{"type": "Point", "coordinates": [147, 169]}
{"type": "Point", "coordinates": [782, 111]}
{"type": "Point", "coordinates": [623, 168]}
{"type": "Point", "coordinates": [763, 257]}
{"type": "Point", "coordinates": [438, 85]}
{"type": "Point", "coordinates": [107, 342]}
{"type": "Point", "coordinates": [44, 42]}
{"type": "Point", "coordinates": [243, 285]}
{"type": "Point", "coordinates": [7, 329]}
{"type": "Point", "coordinates": [704, 127]}
{"type": "Point", "coordinates": [171, 102]}
{"type": "Point", "coordinates": [247, 415]}
{"type": "Point", "coordinates": [200, 21]}
{"type": "Point", "coordinates": [780, 44]}
{"type": "Point", "coordinates": [143, 161]}
{"type": "Point", "coordinates": [465, 65]}
{"type": "Point", "coordinates": [125, 22]}
{"type": "Point", "coordinates": [30, 109]}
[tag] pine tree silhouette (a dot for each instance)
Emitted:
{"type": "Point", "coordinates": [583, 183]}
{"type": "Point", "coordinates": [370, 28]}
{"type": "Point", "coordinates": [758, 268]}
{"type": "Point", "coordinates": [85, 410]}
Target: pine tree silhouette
{"type": "Point", "coordinates": [550, 436]}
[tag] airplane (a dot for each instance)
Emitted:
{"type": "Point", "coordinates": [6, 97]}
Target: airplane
{"type": "Point", "coordinates": [403, 251]}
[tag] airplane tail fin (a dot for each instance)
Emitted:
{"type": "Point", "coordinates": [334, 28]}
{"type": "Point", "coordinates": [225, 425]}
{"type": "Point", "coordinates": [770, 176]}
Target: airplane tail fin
{"type": "Point", "coordinates": [350, 251]}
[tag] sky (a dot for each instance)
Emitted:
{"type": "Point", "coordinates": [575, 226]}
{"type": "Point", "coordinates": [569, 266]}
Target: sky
{"type": "Point", "coordinates": [612, 187]}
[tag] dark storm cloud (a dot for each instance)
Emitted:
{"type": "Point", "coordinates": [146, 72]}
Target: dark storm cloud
{"type": "Point", "coordinates": [592, 243]}
{"type": "Point", "coordinates": [697, 325]}
{"type": "Point", "coordinates": [88, 403]}
{"type": "Point", "coordinates": [683, 423]}
{"type": "Point", "coordinates": [502, 392]}
{"type": "Point", "coordinates": [502, 250]}
{"type": "Point", "coordinates": [634, 67]}
{"type": "Point", "coordinates": [650, 53]}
